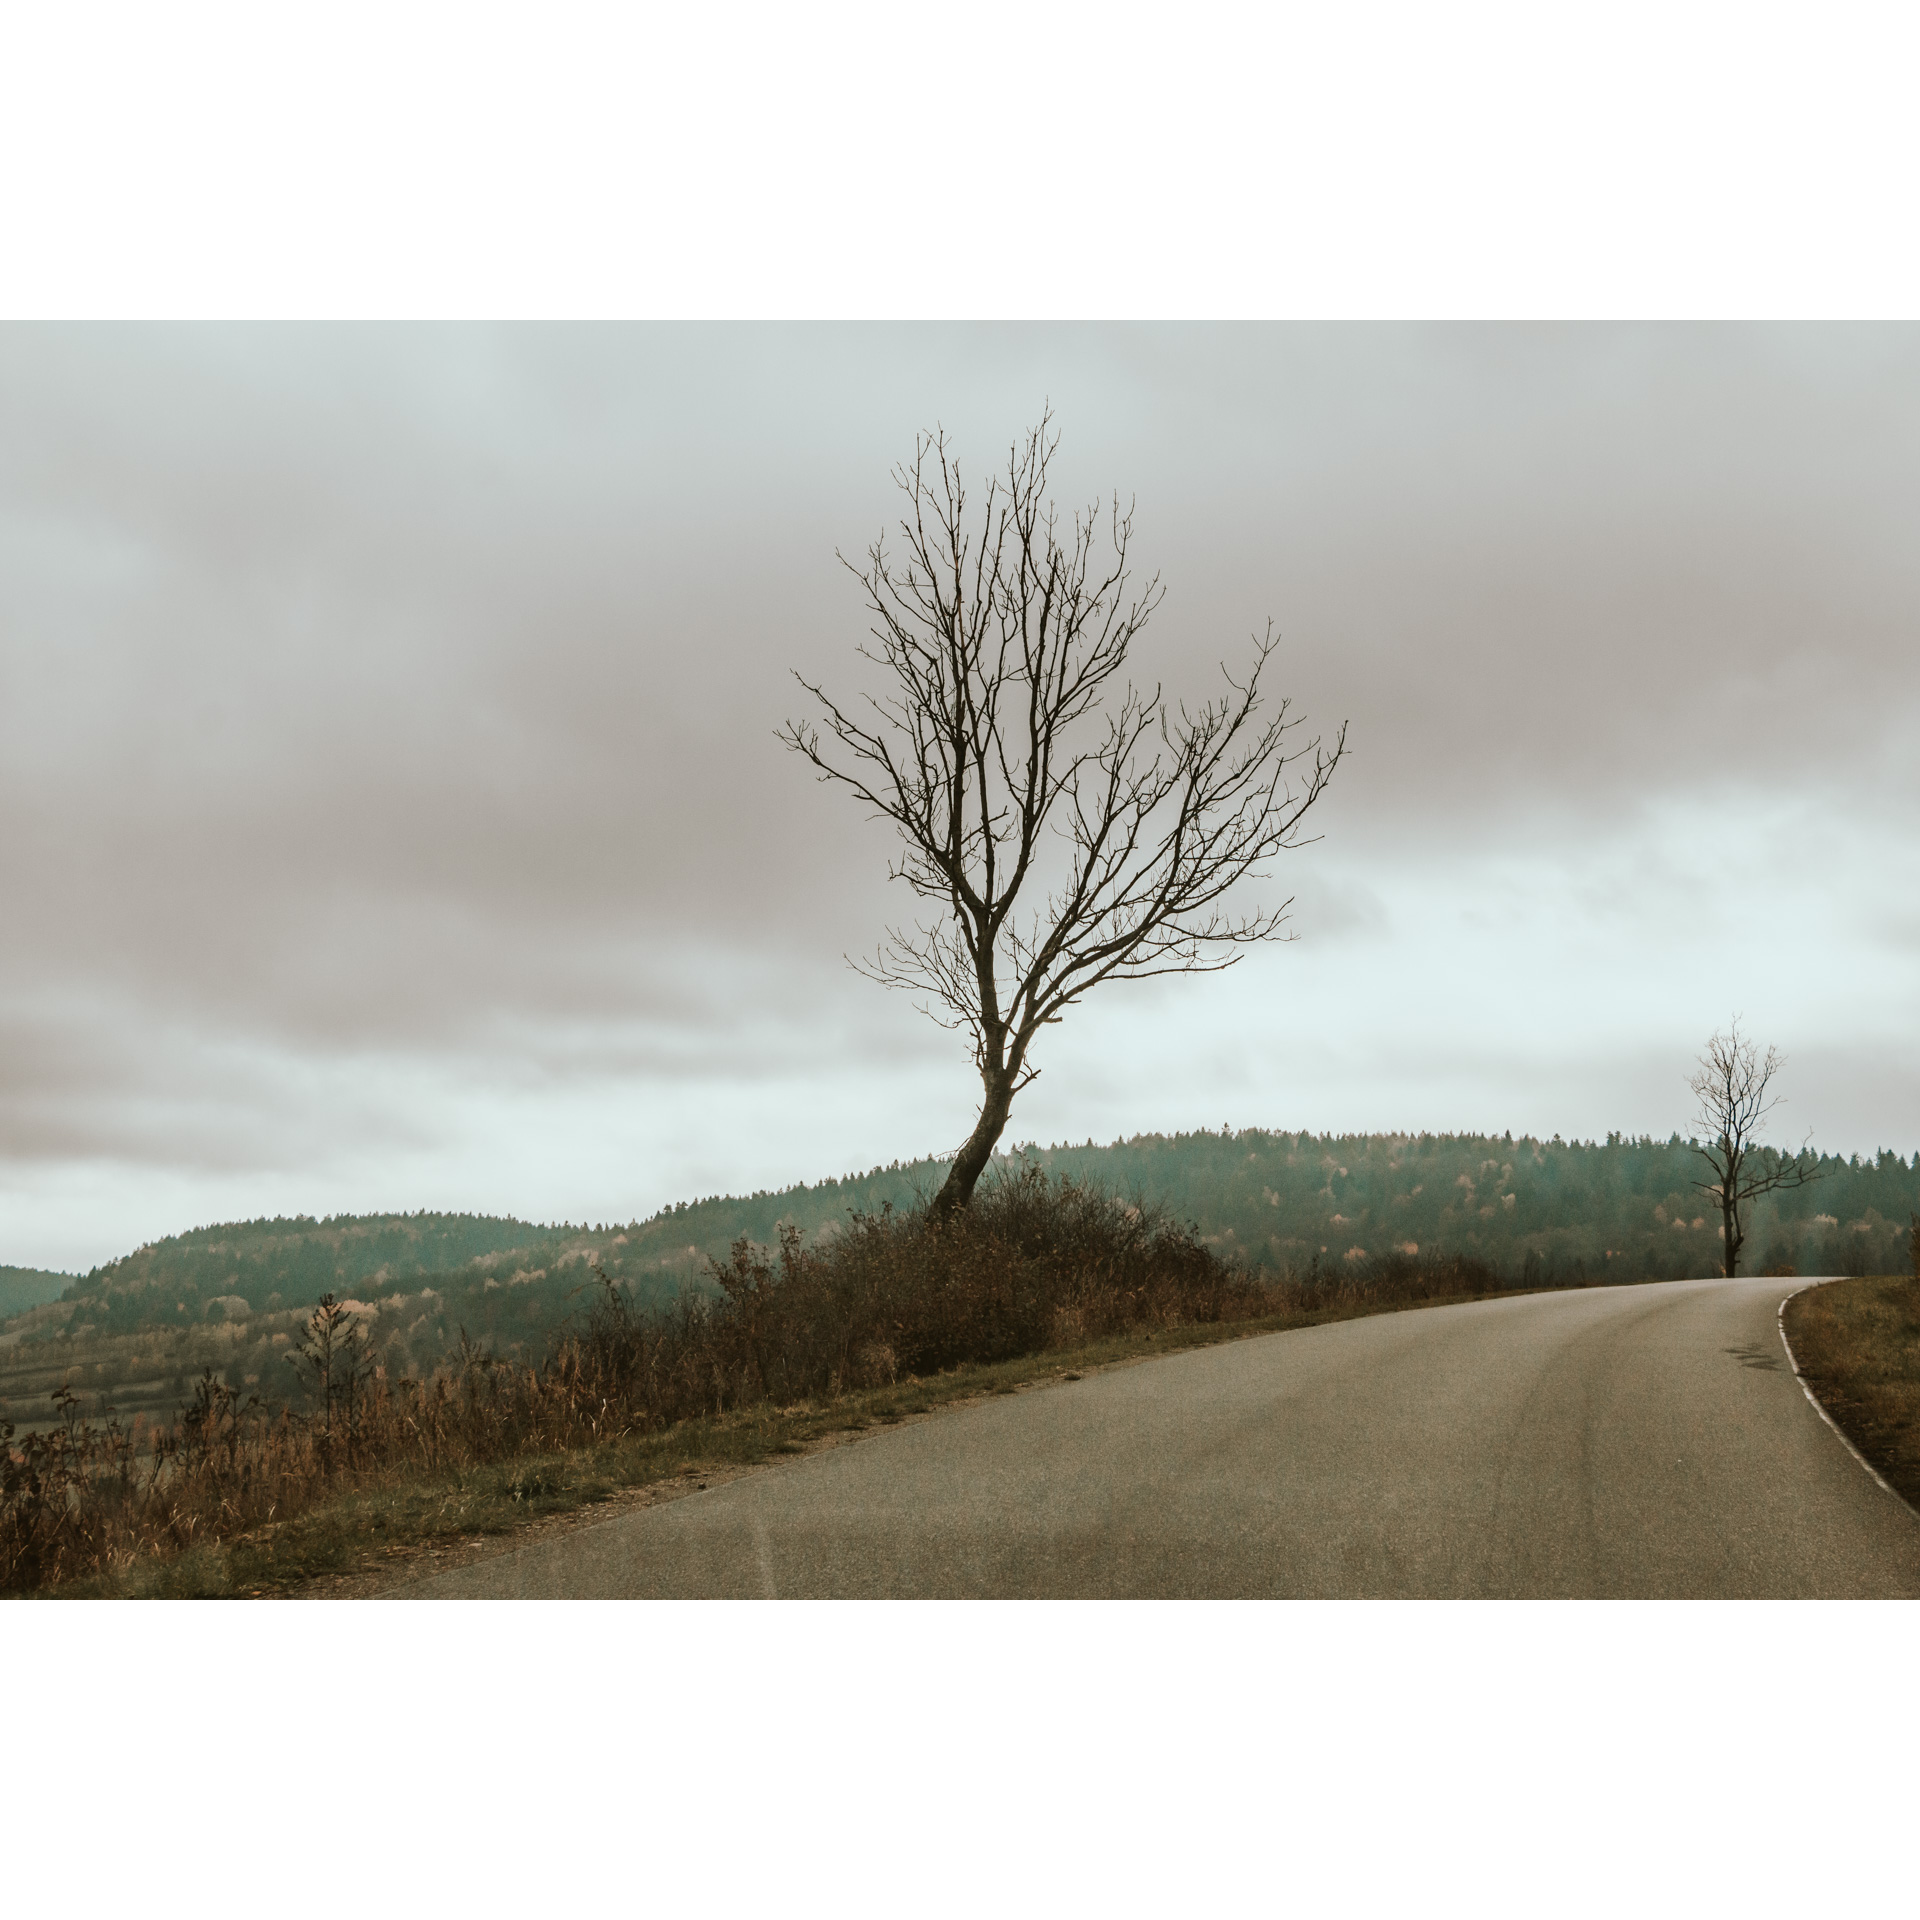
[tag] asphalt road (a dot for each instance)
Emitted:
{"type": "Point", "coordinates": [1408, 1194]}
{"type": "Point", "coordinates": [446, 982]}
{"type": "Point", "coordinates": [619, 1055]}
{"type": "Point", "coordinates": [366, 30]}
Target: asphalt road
{"type": "Point", "coordinates": [1621, 1442]}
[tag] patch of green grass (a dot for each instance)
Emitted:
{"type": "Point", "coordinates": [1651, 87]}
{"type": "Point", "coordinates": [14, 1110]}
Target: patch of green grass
{"type": "Point", "coordinates": [359, 1532]}
{"type": "Point", "coordinates": [1858, 1346]}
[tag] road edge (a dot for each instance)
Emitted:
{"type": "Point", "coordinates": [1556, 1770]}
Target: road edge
{"type": "Point", "coordinates": [1866, 1466]}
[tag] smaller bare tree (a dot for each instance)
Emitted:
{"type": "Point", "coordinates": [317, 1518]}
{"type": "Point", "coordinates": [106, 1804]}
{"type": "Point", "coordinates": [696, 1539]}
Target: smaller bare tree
{"type": "Point", "coordinates": [1731, 1086]}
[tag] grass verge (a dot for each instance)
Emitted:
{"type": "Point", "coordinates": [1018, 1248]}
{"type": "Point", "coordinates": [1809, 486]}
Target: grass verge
{"type": "Point", "coordinates": [1858, 1346]}
{"type": "Point", "coordinates": [363, 1542]}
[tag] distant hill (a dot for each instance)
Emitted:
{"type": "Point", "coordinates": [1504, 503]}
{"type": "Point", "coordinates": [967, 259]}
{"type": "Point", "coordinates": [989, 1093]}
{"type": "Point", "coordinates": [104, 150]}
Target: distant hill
{"type": "Point", "coordinates": [1271, 1199]}
{"type": "Point", "coordinates": [1618, 1207]}
{"type": "Point", "coordinates": [1548, 1208]}
{"type": "Point", "coordinates": [293, 1261]}
{"type": "Point", "coordinates": [24, 1287]}
{"type": "Point", "coordinates": [232, 1297]}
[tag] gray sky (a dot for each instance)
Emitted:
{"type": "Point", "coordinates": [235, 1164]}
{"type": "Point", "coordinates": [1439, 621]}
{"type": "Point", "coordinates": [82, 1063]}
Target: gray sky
{"type": "Point", "coordinates": [393, 818]}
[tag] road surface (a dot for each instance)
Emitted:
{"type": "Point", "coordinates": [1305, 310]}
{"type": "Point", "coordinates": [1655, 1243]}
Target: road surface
{"type": "Point", "coordinates": [1646, 1441]}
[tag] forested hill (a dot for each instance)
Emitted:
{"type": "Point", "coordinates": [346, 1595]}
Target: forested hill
{"type": "Point", "coordinates": [267, 1261]}
{"type": "Point", "coordinates": [137, 1330]}
{"type": "Point", "coordinates": [24, 1287]}
{"type": "Point", "coordinates": [1272, 1199]}
{"type": "Point", "coordinates": [1621, 1207]}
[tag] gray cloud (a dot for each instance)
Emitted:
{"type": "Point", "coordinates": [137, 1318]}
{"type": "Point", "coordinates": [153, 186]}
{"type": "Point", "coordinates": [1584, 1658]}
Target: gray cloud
{"type": "Point", "coordinates": [407, 693]}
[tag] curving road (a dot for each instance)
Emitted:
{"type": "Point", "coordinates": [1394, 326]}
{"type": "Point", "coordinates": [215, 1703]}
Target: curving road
{"type": "Point", "coordinates": [1624, 1442]}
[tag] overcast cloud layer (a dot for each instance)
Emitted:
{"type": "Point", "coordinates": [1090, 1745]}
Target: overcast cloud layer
{"type": "Point", "coordinates": [393, 818]}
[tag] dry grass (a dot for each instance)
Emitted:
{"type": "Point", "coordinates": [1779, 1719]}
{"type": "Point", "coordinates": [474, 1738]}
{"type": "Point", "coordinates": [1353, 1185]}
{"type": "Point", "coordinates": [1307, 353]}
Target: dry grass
{"type": "Point", "coordinates": [1858, 1345]}
{"type": "Point", "coordinates": [892, 1318]}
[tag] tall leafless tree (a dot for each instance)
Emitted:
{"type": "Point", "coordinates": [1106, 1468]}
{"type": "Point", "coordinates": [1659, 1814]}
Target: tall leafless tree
{"type": "Point", "coordinates": [1066, 828]}
{"type": "Point", "coordinates": [1731, 1086]}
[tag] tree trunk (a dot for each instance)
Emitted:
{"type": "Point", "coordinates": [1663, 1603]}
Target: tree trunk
{"type": "Point", "coordinates": [971, 1161]}
{"type": "Point", "coordinates": [1730, 1236]}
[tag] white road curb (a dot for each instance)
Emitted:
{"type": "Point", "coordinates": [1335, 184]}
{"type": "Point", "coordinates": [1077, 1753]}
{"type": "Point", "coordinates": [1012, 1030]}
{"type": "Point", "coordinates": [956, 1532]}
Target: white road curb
{"type": "Point", "coordinates": [1818, 1408]}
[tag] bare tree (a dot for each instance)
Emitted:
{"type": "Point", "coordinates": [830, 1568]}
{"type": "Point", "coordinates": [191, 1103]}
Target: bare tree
{"type": "Point", "coordinates": [1731, 1086]}
{"type": "Point", "coordinates": [1061, 841]}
